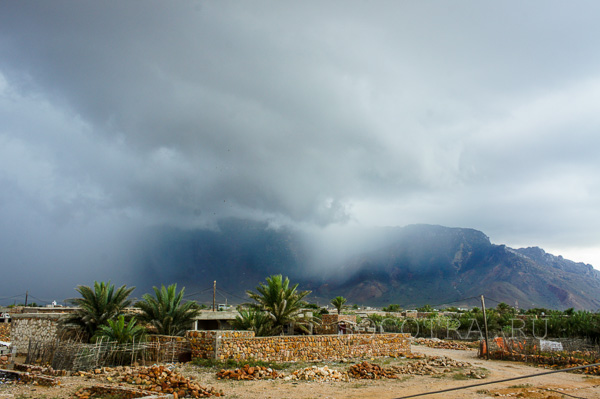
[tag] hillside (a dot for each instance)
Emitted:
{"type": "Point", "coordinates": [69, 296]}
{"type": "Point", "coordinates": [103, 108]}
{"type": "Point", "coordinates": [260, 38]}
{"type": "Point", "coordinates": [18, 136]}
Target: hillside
{"type": "Point", "coordinates": [411, 265]}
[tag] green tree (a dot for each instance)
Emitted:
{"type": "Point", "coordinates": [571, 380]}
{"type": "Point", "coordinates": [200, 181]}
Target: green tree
{"type": "Point", "coordinates": [282, 303]}
{"type": "Point", "coordinates": [120, 332]}
{"type": "Point", "coordinates": [97, 306]}
{"type": "Point", "coordinates": [392, 307]}
{"type": "Point", "coordinates": [425, 308]}
{"type": "Point", "coordinates": [165, 311]}
{"type": "Point", "coordinates": [375, 319]}
{"type": "Point", "coordinates": [581, 324]}
{"type": "Point", "coordinates": [338, 303]}
{"type": "Point", "coordinates": [254, 320]}
{"type": "Point", "coordinates": [569, 312]}
{"type": "Point", "coordinates": [504, 308]}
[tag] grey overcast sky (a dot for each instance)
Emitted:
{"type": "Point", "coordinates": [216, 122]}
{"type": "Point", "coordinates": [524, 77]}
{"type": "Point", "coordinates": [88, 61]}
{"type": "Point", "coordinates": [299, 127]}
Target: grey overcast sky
{"type": "Point", "coordinates": [118, 115]}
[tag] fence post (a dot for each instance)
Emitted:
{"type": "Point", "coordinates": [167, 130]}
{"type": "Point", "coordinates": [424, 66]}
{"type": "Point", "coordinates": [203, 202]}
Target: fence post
{"type": "Point", "coordinates": [132, 349]}
{"type": "Point", "coordinates": [98, 344]}
{"type": "Point", "coordinates": [217, 346]}
{"type": "Point", "coordinates": [487, 346]}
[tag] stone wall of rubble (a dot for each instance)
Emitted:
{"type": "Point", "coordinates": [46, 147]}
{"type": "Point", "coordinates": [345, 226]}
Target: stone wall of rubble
{"type": "Point", "coordinates": [5, 332]}
{"type": "Point", "coordinates": [204, 343]}
{"type": "Point", "coordinates": [238, 345]}
{"type": "Point", "coordinates": [36, 326]}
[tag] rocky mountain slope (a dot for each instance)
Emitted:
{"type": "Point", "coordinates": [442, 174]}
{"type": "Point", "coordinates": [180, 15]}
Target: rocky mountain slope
{"type": "Point", "coordinates": [411, 266]}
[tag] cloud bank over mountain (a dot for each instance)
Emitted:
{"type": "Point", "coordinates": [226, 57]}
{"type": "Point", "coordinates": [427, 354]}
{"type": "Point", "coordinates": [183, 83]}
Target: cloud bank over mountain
{"type": "Point", "coordinates": [116, 116]}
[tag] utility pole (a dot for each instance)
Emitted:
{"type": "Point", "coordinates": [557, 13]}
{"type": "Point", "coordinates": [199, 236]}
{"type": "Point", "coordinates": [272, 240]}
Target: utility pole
{"type": "Point", "coordinates": [215, 295]}
{"type": "Point", "coordinates": [487, 346]}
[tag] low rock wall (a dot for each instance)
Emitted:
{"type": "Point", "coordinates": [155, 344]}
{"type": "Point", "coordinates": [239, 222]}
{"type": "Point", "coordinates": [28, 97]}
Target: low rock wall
{"type": "Point", "coordinates": [239, 345]}
{"type": "Point", "coordinates": [204, 343]}
{"type": "Point", "coordinates": [37, 326]}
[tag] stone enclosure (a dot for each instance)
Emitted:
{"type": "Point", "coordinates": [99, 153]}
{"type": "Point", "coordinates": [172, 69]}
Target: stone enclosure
{"type": "Point", "coordinates": [238, 345]}
{"type": "Point", "coordinates": [38, 326]}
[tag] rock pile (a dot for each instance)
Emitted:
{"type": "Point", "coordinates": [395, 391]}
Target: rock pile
{"type": "Point", "coordinates": [473, 374]}
{"type": "Point", "coordinates": [5, 332]}
{"type": "Point", "coordinates": [4, 359]}
{"type": "Point", "coordinates": [422, 366]}
{"type": "Point", "coordinates": [20, 377]}
{"type": "Point", "coordinates": [249, 373]}
{"type": "Point", "coordinates": [431, 366]}
{"type": "Point", "coordinates": [318, 374]}
{"type": "Point", "coordinates": [162, 380]}
{"type": "Point", "coordinates": [426, 366]}
{"type": "Point", "coordinates": [370, 371]}
{"type": "Point", "coordinates": [103, 372]}
{"type": "Point", "coordinates": [440, 344]}
{"type": "Point", "coordinates": [414, 356]}
{"type": "Point", "coordinates": [106, 391]}
{"type": "Point", "coordinates": [33, 369]}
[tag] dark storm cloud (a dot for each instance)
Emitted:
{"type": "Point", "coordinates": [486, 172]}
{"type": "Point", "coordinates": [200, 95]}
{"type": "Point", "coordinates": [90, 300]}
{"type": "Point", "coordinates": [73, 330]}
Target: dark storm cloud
{"type": "Point", "coordinates": [119, 115]}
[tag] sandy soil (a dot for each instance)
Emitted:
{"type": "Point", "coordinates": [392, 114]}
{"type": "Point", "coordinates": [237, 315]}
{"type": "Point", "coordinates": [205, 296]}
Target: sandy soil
{"type": "Point", "coordinates": [539, 387]}
{"type": "Point", "coordinates": [554, 386]}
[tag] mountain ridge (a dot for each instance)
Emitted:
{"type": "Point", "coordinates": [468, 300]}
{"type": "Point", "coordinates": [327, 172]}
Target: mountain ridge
{"type": "Point", "coordinates": [411, 265]}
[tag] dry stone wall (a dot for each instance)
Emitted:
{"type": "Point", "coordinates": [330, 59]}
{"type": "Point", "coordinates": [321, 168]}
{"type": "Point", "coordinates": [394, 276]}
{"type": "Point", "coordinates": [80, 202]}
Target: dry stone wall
{"type": "Point", "coordinates": [36, 326]}
{"type": "Point", "coordinates": [238, 345]}
{"type": "Point", "coordinates": [204, 343]}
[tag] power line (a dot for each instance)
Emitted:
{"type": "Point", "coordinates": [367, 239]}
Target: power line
{"type": "Point", "coordinates": [39, 299]}
{"type": "Point", "coordinates": [12, 297]}
{"type": "Point", "coordinates": [233, 295]}
{"type": "Point", "coordinates": [498, 381]}
{"type": "Point", "coordinates": [197, 292]}
{"type": "Point", "coordinates": [493, 300]}
{"type": "Point", "coordinates": [222, 294]}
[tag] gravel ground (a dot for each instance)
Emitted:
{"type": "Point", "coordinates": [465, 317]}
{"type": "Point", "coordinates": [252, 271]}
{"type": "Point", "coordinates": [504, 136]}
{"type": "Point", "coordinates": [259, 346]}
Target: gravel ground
{"type": "Point", "coordinates": [545, 387]}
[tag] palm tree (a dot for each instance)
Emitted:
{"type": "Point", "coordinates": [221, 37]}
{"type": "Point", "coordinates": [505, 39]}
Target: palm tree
{"type": "Point", "coordinates": [504, 308]}
{"type": "Point", "coordinates": [254, 320]}
{"type": "Point", "coordinates": [120, 332]}
{"type": "Point", "coordinates": [97, 306]}
{"type": "Point", "coordinates": [338, 303]}
{"type": "Point", "coordinates": [282, 303]}
{"type": "Point", "coordinates": [581, 324]}
{"type": "Point", "coordinates": [166, 312]}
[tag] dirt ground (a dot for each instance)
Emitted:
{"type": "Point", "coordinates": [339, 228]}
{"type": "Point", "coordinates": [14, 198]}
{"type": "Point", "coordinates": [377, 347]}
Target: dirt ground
{"type": "Point", "coordinates": [553, 386]}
